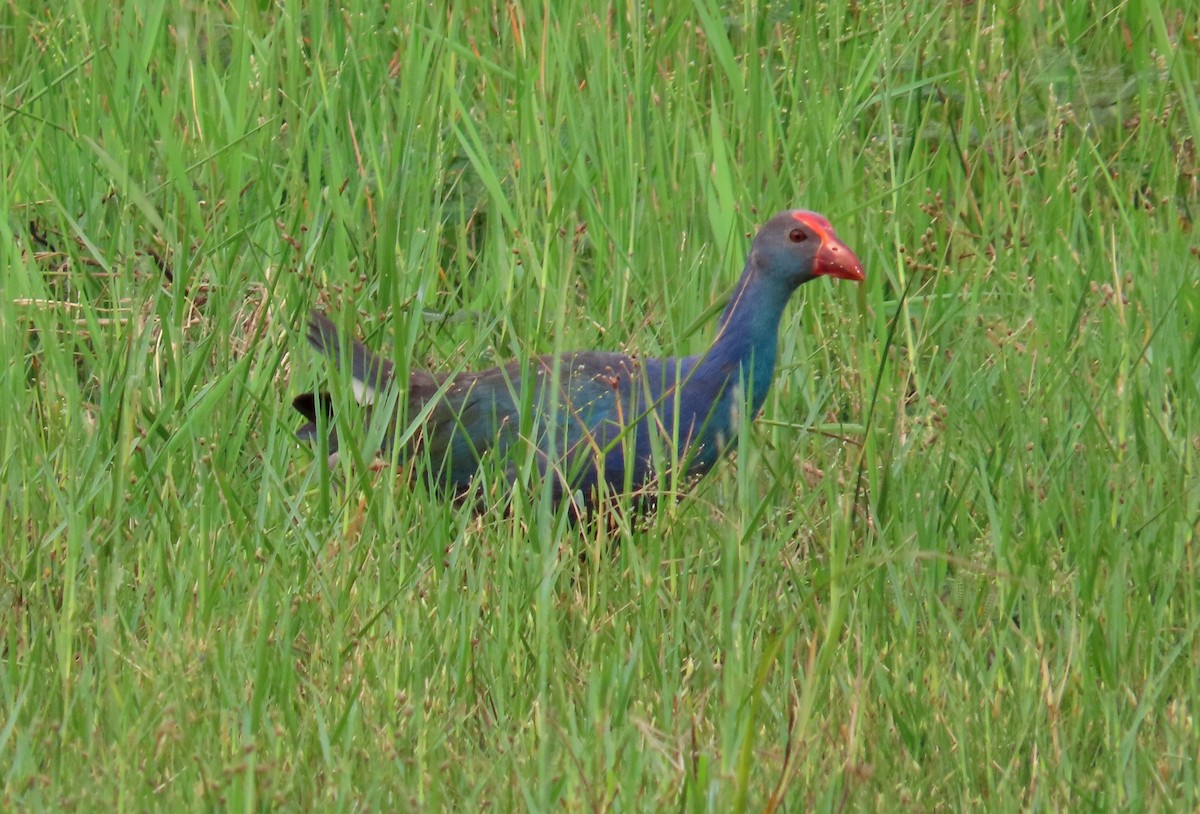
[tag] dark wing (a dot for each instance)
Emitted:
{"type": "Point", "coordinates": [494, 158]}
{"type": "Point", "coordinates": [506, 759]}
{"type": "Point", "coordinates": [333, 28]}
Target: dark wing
{"type": "Point", "coordinates": [579, 409]}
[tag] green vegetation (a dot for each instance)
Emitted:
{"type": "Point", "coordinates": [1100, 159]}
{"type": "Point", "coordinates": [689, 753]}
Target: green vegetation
{"type": "Point", "coordinates": [954, 566]}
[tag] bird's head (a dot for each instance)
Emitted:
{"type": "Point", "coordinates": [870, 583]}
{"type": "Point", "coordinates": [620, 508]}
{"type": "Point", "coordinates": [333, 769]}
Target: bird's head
{"type": "Point", "coordinates": [795, 246]}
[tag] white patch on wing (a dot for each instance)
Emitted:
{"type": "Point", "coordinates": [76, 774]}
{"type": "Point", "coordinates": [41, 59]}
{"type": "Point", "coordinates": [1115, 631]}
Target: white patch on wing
{"type": "Point", "coordinates": [364, 394]}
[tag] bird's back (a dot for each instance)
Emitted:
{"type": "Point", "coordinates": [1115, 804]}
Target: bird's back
{"type": "Point", "coordinates": [584, 416]}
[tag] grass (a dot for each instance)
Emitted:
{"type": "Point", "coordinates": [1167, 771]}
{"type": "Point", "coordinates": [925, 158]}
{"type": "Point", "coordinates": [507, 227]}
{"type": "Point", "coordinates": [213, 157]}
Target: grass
{"type": "Point", "coordinates": [954, 566]}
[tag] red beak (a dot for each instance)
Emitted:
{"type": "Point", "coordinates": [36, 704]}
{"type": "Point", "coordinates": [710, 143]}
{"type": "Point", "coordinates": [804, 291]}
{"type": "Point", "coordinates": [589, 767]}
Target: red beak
{"type": "Point", "coordinates": [834, 258]}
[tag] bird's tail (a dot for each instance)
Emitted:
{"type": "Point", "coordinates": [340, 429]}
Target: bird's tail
{"type": "Point", "coordinates": [369, 375]}
{"type": "Point", "coordinates": [316, 407]}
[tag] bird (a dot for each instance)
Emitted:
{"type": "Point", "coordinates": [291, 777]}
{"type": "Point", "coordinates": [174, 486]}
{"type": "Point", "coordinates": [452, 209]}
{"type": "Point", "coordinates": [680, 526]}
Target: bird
{"type": "Point", "coordinates": [591, 417]}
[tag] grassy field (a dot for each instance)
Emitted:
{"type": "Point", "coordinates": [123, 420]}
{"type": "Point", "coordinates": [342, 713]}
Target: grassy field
{"type": "Point", "coordinates": [955, 565]}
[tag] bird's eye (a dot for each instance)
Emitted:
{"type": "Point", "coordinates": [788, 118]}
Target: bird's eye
{"type": "Point", "coordinates": [797, 235]}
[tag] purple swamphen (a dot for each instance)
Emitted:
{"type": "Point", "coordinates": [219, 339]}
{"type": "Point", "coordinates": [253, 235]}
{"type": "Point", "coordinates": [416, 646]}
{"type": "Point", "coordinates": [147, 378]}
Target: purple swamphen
{"type": "Point", "coordinates": [593, 415]}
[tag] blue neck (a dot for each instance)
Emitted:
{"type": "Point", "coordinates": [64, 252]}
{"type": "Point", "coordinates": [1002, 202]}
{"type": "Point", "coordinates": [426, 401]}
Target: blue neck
{"type": "Point", "coordinates": [744, 350]}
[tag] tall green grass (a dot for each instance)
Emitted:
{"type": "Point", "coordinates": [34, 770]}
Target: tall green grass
{"type": "Point", "coordinates": [952, 567]}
